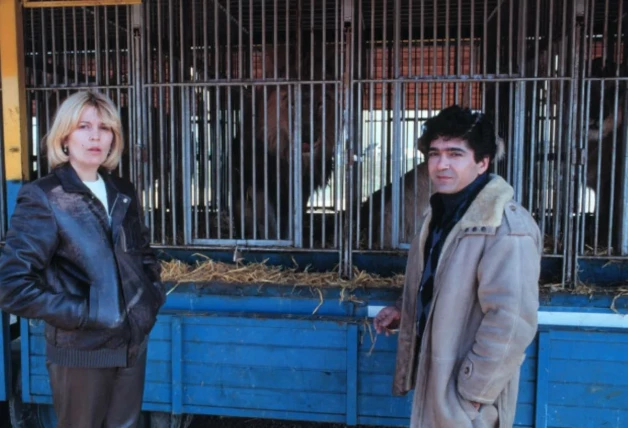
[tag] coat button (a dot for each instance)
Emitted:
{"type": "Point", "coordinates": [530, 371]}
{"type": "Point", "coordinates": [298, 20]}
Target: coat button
{"type": "Point", "coordinates": [513, 208]}
{"type": "Point", "coordinates": [125, 200]}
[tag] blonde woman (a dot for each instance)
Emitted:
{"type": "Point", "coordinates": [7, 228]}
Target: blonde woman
{"type": "Point", "coordinates": [77, 256]}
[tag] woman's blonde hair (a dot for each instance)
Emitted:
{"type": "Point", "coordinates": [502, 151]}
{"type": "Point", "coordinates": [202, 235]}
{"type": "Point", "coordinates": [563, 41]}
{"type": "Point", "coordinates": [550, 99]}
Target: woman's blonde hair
{"type": "Point", "coordinates": [67, 119]}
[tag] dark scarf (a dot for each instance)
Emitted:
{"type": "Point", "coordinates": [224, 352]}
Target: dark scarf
{"type": "Point", "coordinates": [447, 210]}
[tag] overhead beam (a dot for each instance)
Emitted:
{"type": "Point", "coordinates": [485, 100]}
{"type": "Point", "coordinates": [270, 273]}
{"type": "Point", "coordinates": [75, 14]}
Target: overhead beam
{"type": "Point", "coordinates": [76, 3]}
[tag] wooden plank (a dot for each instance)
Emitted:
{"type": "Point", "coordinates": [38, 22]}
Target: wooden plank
{"type": "Point", "coordinates": [161, 331]}
{"type": "Point", "coordinates": [593, 395]}
{"type": "Point", "coordinates": [588, 372]}
{"type": "Point", "coordinates": [288, 335]}
{"type": "Point", "coordinates": [524, 415]}
{"type": "Point", "coordinates": [581, 336]}
{"type": "Point", "coordinates": [580, 415]}
{"type": "Point", "coordinates": [38, 365]}
{"type": "Point", "coordinates": [352, 375]}
{"type": "Point", "coordinates": [176, 364]}
{"type": "Point", "coordinates": [25, 326]}
{"type": "Point", "coordinates": [248, 320]}
{"type": "Point", "coordinates": [265, 414]}
{"type": "Point", "coordinates": [159, 350]}
{"type": "Point", "coordinates": [40, 385]}
{"type": "Point", "coordinates": [382, 343]}
{"type": "Point", "coordinates": [527, 393]}
{"type": "Point", "coordinates": [158, 393]}
{"type": "Point", "coordinates": [263, 399]}
{"type": "Point", "coordinates": [158, 371]}
{"type": "Point", "coordinates": [542, 379]}
{"type": "Point", "coordinates": [528, 369]}
{"type": "Point", "coordinates": [37, 345]}
{"type": "Point", "coordinates": [214, 305]}
{"type": "Point", "coordinates": [384, 421]}
{"type": "Point", "coordinates": [593, 351]}
{"type": "Point", "coordinates": [375, 384]}
{"type": "Point", "coordinates": [377, 362]}
{"type": "Point", "coordinates": [384, 406]}
{"type": "Point", "coordinates": [261, 356]}
{"type": "Point", "coordinates": [221, 376]}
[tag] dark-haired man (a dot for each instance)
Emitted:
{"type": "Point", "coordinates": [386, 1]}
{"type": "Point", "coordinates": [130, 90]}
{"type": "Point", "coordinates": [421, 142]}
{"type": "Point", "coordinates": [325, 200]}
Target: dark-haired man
{"type": "Point", "coordinates": [469, 305]}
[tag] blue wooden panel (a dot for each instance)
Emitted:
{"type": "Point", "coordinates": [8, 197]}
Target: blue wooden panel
{"type": "Point", "coordinates": [37, 345]}
{"type": "Point", "coordinates": [375, 384]}
{"type": "Point", "coordinates": [384, 421]}
{"type": "Point", "coordinates": [264, 399]}
{"type": "Point", "coordinates": [263, 413]}
{"type": "Point", "coordinates": [594, 395]}
{"type": "Point", "coordinates": [589, 350]}
{"type": "Point", "coordinates": [527, 393]}
{"type": "Point", "coordinates": [381, 343]}
{"type": "Point", "coordinates": [40, 385]}
{"type": "Point", "coordinates": [38, 365]}
{"type": "Point", "coordinates": [524, 416]}
{"type": "Point", "coordinates": [218, 375]}
{"type": "Point", "coordinates": [305, 334]}
{"type": "Point", "coordinates": [161, 331]}
{"type": "Point", "coordinates": [158, 371]}
{"type": "Point", "coordinates": [376, 405]}
{"type": "Point", "coordinates": [580, 415]}
{"type": "Point", "coordinates": [268, 321]}
{"type": "Point", "coordinates": [5, 357]}
{"type": "Point", "coordinates": [158, 393]}
{"type": "Point", "coordinates": [262, 304]}
{"type": "Point", "coordinates": [594, 337]}
{"type": "Point", "coordinates": [352, 375]}
{"type": "Point", "coordinates": [377, 362]}
{"type": "Point", "coordinates": [159, 350]}
{"type": "Point", "coordinates": [261, 356]}
{"type": "Point", "coordinates": [528, 369]}
{"type": "Point", "coordinates": [177, 366]}
{"type": "Point", "coordinates": [25, 364]}
{"type": "Point", "coordinates": [589, 372]}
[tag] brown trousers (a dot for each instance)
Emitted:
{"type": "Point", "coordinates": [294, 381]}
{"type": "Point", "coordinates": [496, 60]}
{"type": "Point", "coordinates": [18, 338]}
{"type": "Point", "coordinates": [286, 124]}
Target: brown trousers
{"type": "Point", "coordinates": [97, 398]}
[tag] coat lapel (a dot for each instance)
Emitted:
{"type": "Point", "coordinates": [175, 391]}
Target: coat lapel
{"type": "Point", "coordinates": [71, 183]}
{"type": "Point", "coordinates": [119, 203]}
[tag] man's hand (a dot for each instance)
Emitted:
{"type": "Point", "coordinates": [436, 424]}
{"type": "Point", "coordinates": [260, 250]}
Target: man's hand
{"type": "Point", "coordinates": [386, 320]}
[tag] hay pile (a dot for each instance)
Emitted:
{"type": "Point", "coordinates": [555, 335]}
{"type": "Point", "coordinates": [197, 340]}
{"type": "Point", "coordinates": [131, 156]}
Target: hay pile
{"type": "Point", "coordinates": [211, 271]}
{"type": "Point", "coordinates": [261, 273]}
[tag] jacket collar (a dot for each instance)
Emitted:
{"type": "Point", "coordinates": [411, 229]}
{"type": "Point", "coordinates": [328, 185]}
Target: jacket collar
{"type": "Point", "coordinates": [118, 201]}
{"type": "Point", "coordinates": [487, 209]}
{"type": "Point", "coordinates": [70, 181]}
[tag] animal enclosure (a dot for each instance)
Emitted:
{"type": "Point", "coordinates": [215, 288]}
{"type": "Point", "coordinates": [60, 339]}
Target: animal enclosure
{"type": "Point", "coordinates": [293, 124]}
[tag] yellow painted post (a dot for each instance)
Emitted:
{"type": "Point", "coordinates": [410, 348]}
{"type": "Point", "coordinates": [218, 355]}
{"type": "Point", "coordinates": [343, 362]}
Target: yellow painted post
{"type": "Point", "coordinates": [14, 107]}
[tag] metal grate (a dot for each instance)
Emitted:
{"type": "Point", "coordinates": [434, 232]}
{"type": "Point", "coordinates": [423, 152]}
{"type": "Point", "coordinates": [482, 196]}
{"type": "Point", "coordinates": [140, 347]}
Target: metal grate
{"type": "Point", "coordinates": [293, 123]}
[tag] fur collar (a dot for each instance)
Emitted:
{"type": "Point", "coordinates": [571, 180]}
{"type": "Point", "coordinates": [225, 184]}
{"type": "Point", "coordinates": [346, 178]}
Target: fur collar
{"type": "Point", "coordinates": [488, 207]}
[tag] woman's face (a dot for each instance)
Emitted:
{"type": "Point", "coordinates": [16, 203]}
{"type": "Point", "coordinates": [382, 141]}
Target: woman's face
{"type": "Point", "coordinates": [89, 144]}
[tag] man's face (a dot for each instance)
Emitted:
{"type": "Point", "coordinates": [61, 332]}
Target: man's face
{"type": "Point", "coordinates": [452, 166]}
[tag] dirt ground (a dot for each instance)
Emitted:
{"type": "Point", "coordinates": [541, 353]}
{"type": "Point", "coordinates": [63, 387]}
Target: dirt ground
{"type": "Point", "coordinates": [220, 422]}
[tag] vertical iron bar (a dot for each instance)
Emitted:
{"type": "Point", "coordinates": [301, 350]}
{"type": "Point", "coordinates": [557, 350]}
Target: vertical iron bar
{"type": "Point", "coordinates": [397, 137]}
{"type": "Point", "coordinates": [297, 194]}
{"type": "Point", "coordinates": [217, 152]}
{"type": "Point", "coordinates": [229, 142]}
{"type": "Point", "coordinates": [324, 127]}
{"type": "Point", "coordinates": [571, 270]}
